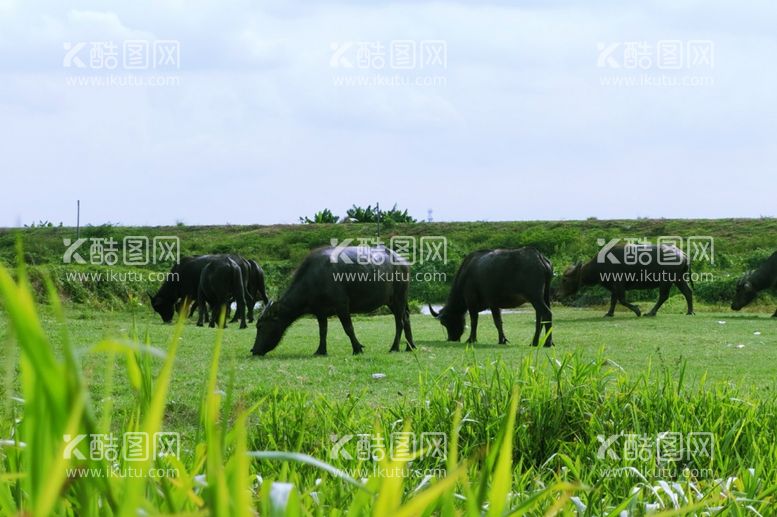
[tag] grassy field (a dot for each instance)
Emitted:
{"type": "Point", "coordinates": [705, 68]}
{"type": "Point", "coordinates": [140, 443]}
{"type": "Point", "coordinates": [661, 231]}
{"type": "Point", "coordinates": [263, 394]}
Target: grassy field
{"type": "Point", "coordinates": [716, 346]}
{"type": "Point", "coordinates": [524, 425]}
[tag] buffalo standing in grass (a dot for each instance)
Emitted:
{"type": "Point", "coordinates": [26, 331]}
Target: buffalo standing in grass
{"type": "Point", "coordinates": [633, 266]}
{"type": "Point", "coordinates": [253, 282]}
{"type": "Point", "coordinates": [256, 289]}
{"type": "Point", "coordinates": [182, 284]}
{"type": "Point", "coordinates": [495, 280]}
{"type": "Point", "coordinates": [184, 281]}
{"type": "Point", "coordinates": [221, 281]}
{"type": "Point", "coordinates": [340, 281]}
{"type": "Point", "coordinates": [748, 287]}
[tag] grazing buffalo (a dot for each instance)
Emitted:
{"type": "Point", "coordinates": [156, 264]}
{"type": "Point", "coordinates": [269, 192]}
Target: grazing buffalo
{"type": "Point", "coordinates": [256, 289]}
{"type": "Point", "coordinates": [221, 281]}
{"type": "Point", "coordinates": [340, 281]}
{"type": "Point", "coordinates": [245, 271]}
{"type": "Point", "coordinates": [765, 277]}
{"type": "Point", "coordinates": [632, 266]}
{"type": "Point", "coordinates": [495, 280]}
{"type": "Point", "coordinates": [182, 284]}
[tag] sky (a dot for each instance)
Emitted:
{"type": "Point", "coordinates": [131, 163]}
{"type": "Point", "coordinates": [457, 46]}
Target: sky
{"type": "Point", "coordinates": [259, 112]}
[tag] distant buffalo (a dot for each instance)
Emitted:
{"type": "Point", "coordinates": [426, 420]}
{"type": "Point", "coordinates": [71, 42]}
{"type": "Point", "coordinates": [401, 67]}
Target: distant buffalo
{"type": "Point", "coordinates": [340, 281]}
{"type": "Point", "coordinates": [256, 289]}
{"type": "Point", "coordinates": [765, 277]}
{"type": "Point", "coordinates": [182, 284]}
{"type": "Point", "coordinates": [221, 281]}
{"type": "Point", "coordinates": [495, 280]}
{"type": "Point", "coordinates": [632, 266]}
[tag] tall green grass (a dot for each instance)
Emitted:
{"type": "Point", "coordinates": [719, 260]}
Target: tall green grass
{"type": "Point", "coordinates": [522, 441]}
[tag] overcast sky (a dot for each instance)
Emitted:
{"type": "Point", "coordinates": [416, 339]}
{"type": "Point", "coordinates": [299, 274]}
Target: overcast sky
{"type": "Point", "coordinates": [260, 112]}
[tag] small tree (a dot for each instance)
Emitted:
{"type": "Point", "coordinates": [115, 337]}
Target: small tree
{"type": "Point", "coordinates": [325, 216]}
{"type": "Point", "coordinates": [358, 214]}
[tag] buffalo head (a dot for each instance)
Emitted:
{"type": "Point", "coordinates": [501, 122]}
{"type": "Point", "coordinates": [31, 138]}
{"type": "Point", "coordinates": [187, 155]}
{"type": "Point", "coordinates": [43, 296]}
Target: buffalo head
{"type": "Point", "coordinates": [453, 323]}
{"type": "Point", "coordinates": [745, 293]}
{"type": "Point", "coordinates": [165, 308]}
{"type": "Point", "coordinates": [571, 281]}
{"type": "Point", "coordinates": [270, 327]}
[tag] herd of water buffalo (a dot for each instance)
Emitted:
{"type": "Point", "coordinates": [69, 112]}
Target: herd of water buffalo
{"type": "Point", "coordinates": [340, 282]}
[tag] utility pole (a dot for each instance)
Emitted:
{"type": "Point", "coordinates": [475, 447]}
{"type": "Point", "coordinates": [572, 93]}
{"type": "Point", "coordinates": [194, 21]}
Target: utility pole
{"type": "Point", "coordinates": [78, 218]}
{"type": "Point", "coordinates": [377, 216]}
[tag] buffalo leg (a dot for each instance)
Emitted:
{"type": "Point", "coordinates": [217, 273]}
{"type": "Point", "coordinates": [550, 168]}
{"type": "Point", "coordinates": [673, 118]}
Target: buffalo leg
{"type": "Point", "coordinates": [345, 321]}
{"type": "Point", "coordinates": [250, 302]}
{"type": "Point", "coordinates": [408, 331]}
{"type": "Point", "coordinates": [201, 308]}
{"type": "Point", "coordinates": [473, 324]}
{"type": "Point", "coordinates": [663, 295]}
{"type": "Point", "coordinates": [630, 306]}
{"type": "Point", "coordinates": [543, 322]}
{"type": "Point", "coordinates": [322, 327]}
{"type": "Point", "coordinates": [239, 294]}
{"type": "Point", "coordinates": [398, 320]}
{"type": "Point", "coordinates": [613, 303]}
{"type": "Point", "coordinates": [686, 290]}
{"type": "Point", "coordinates": [496, 313]}
{"type": "Point", "coordinates": [547, 323]}
{"type": "Point", "coordinates": [214, 311]}
{"type": "Point", "coordinates": [774, 315]}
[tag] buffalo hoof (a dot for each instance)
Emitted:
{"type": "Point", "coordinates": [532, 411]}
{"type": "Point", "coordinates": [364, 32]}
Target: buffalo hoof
{"type": "Point", "coordinates": [199, 324]}
{"type": "Point", "coordinates": [321, 353]}
{"type": "Point", "coordinates": [358, 350]}
{"type": "Point", "coordinates": [609, 315]}
{"type": "Point", "coordinates": [243, 325]}
{"type": "Point", "coordinates": [394, 349]}
{"type": "Point", "coordinates": [472, 341]}
{"type": "Point", "coordinates": [638, 313]}
{"type": "Point", "coordinates": [650, 315]}
{"type": "Point", "coordinates": [409, 348]}
{"type": "Point", "coordinates": [503, 341]}
{"type": "Point", "coordinates": [694, 314]}
{"type": "Point", "coordinates": [549, 344]}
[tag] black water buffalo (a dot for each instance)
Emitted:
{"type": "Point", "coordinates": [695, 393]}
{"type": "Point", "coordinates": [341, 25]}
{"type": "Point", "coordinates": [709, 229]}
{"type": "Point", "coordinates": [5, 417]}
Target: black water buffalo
{"type": "Point", "coordinates": [765, 277]}
{"type": "Point", "coordinates": [221, 281]}
{"type": "Point", "coordinates": [253, 278]}
{"type": "Point", "coordinates": [256, 288]}
{"type": "Point", "coordinates": [182, 283]}
{"type": "Point", "coordinates": [495, 280]}
{"type": "Point", "coordinates": [632, 266]}
{"type": "Point", "coordinates": [340, 281]}
{"type": "Point", "coordinates": [245, 271]}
